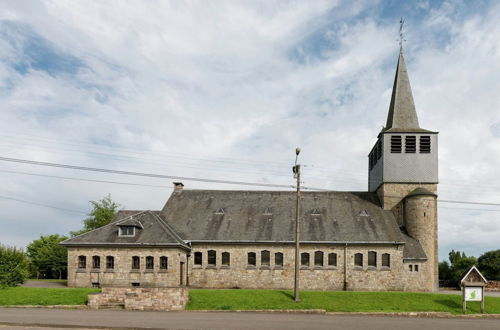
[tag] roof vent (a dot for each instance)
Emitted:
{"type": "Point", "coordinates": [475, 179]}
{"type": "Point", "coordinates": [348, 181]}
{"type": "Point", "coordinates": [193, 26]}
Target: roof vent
{"type": "Point", "coordinates": [316, 212]}
{"type": "Point", "coordinates": [178, 186]}
{"type": "Point", "coordinates": [363, 214]}
{"type": "Point", "coordinates": [268, 211]}
{"type": "Point", "coordinates": [220, 210]}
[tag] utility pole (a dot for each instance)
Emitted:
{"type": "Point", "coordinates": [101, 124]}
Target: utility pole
{"type": "Point", "coordinates": [296, 171]}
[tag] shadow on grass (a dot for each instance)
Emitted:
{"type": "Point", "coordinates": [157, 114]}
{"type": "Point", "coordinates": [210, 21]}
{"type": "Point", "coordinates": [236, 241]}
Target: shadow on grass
{"type": "Point", "coordinates": [287, 294]}
{"type": "Point", "coordinates": [449, 303]}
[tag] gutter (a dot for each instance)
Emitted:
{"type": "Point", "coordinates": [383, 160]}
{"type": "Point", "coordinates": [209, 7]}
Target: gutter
{"type": "Point", "coordinates": [301, 242]}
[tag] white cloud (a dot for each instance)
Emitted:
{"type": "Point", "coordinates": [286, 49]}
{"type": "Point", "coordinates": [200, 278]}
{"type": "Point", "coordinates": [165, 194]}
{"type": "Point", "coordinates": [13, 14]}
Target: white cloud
{"type": "Point", "coordinates": [229, 89]}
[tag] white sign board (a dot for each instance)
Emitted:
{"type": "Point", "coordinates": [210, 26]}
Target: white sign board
{"type": "Point", "coordinates": [473, 293]}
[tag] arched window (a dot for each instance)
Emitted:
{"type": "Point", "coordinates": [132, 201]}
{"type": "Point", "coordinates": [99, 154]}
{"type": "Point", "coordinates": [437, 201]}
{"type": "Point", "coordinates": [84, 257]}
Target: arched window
{"type": "Point", "coordinates": [278, 259]}
{"type": "Point", "coordinates": [332, 259]}
{"type": "Point", "coordinates": [198, 258]}
{"type": "Point", "coordinates": [110, 262]}
{"type": "Point", "coordinates": [136, 262]}
{"type": "Point", "coordinates": [82, 262]}
{"type": "Point", "coordinates": [318, 259]}
{"type": "Point", "coordinates": [212, 257]}
{"type": "Point", "coordinates": [164, 262]}
{"type": "Point", "coordinates": [251, 259]}
{"type": "Point", "coordinates": [265, 257]}
{"type": "Point", "coordinates": [304, 259]}
{"type": "Point", "coordinates": [96, 262]}
{"type": "Point", "coordinates": [386, 260]}
{"type": "Point", "coordinates": [150, 262]}
{"type": "Point", "coordinates": [226, 259]}
{"type": "Point", "coordinates": [372, 258]}
{"type": "Point", "coordinates": [358, 260]}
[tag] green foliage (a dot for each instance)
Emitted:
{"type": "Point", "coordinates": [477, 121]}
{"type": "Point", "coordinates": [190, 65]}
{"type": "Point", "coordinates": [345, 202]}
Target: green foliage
{"type": "Point", "coordinates": [489, 265]}
{"type": "Point", "coordinates": [49, 259]}
{"type": "Point", "coordinates": [13, 266]}
{"type": "Point", "coordinates": [334, 301]}
{"type": "Point", "coordinates": [459, 265]}
{"type": "Point", "coordinates": [102, 213]}
{"type": "Point", "coordinates": [44, 296]}
{"type": "Point", "coordinates": [444, 271]}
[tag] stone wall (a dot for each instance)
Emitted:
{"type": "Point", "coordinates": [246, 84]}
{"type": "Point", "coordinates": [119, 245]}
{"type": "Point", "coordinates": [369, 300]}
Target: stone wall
{"type": "Point", "coordinates": [131, 298]}
{"type": "Point", "coordinates": [123, 274]}
{"type": "Point", "coordinates": [239, 275]}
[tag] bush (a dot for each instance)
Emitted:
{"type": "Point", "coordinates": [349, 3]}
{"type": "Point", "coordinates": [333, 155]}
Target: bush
{"type": "Point", "coordinates": [13, 266]}
{"type": "Point", "coordinates": [489, 265]}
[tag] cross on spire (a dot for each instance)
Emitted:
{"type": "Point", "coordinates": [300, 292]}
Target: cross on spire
{"type": "Point", "coordinates": [401, 34]}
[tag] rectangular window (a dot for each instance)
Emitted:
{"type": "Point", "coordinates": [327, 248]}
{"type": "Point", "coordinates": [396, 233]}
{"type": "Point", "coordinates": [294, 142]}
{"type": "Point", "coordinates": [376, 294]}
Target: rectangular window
{"type": "Point", "coordinates": [252, 259]}
{"type": "Point", "coordinates": [127, 230]}
{"type": "Point", "coordinates": [386, 260]}
{"type": "Point", "coordinates": [150, 263]}
{"type": "Point", "coordinates": [96, 262]}
{"type": "Point", "coordinates": [278, 259]}
{"type": "Point", "coordinates": [410, 144]}
{"type": "Point", "coordinates": [396, 144]}
{"type": "Point", "coordinates": [163, 263]}
{"type": "Point", "coordinates": [358, 260]}
{"type": "Point", "coordinates": [82, 262]}
{"type": "Point", "coordinates": [265, 257]}
{"type": "Point", "coordinates": [425, 144]}
{"type": "Point", "coordinates": [416, 268]}
{"type": "Point", "coordinates": [110, 262]}
{"type": "Point", "coordinates": [212, 257]}
{"type": "Point", "coordinates": [332, 259]}
{"type": "Point", "coordinates": [372, 258]}
{"type": "Point", "coordinates": [136, 262]}
{"type": "Point", "coordinates": [304, 259]}
{"type": "Point", "coordinates": [198, 258]}
{"type": "Point", "coordinates": [226, 259]}
{"type": "Point", "coordinates": [318, 259]}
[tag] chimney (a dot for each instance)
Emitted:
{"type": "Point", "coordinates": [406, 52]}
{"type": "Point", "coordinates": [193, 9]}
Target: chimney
{"type": "Point", "coordinates": [178, 186]}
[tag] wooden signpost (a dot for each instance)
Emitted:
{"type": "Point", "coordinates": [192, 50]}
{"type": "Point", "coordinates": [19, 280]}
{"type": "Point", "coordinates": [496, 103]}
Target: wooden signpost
{"type": "Point", "coordinates": [473, 284]}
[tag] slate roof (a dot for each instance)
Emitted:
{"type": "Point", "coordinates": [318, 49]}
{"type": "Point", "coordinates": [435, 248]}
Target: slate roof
{"type": "Point", "coordinates": [155, 232]}
{"type": "Point", "coordinates": [269, 216]}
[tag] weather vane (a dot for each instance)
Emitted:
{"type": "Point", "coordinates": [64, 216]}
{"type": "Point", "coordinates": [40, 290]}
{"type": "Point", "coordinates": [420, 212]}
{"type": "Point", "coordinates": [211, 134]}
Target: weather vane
{"type": "Point", "coordinates": [401, 34]}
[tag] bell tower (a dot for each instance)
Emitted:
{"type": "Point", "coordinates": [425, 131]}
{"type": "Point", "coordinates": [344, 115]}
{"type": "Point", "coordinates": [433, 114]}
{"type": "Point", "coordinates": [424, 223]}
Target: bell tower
{"type": "Point", "coordinates": [403, 171]}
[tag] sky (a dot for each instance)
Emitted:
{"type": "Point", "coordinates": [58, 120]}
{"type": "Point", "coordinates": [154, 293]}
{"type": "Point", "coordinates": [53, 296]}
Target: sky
{"type": "Point", "coordinates": [227, 90]}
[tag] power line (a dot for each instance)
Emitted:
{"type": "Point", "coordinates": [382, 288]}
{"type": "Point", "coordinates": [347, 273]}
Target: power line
{"type": "Point", "coordinates": [151, 175]}
{"type": "Point", "coordinates": [41, 204]}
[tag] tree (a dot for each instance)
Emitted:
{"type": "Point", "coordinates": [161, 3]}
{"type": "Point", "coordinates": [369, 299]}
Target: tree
{"type": "Point", "coordinates": [13, 266]}
{"type": "Point", "coordinates": [489, 265]}
{"type": "Point", "coordinates": [444, 271]}
{"type": "Point", "coordinates": [102, 213]}
{"type": "Point", "coordinates": [49, 258]}
{"type": "Point", "coordinates": [459, 264]}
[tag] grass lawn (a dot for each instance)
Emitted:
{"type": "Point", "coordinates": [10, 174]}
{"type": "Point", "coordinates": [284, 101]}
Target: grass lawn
{"type": "Point", "coordinates": [44, 296]}
{"type": "Point", "coordinates": [335, 301]}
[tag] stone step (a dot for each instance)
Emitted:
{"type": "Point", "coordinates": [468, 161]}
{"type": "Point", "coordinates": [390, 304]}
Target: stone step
{"type": "Point", "coordinates": [112, 305]}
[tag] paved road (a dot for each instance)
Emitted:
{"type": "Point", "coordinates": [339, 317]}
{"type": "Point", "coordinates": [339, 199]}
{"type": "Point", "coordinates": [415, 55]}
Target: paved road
{"type": "Point", "coordinates": [227, 320]}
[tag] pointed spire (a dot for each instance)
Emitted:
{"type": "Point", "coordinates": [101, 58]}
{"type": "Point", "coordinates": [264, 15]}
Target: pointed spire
{"type": "Point", "coordinates": [402, 113]}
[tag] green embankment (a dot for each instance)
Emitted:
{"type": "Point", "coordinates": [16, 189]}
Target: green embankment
{"type": "Point", "coordinates": [335, 301]}
{"type": "Point", "coordinates": [44, 296]}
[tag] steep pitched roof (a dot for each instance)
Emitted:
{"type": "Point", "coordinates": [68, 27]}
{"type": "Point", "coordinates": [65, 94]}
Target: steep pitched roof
{"type": "Point", "coordinates": [269, 216]}
{"type": "Point", "coordinates": [154, 232]}
{"type": "Point", "coordinates": [402, 113]}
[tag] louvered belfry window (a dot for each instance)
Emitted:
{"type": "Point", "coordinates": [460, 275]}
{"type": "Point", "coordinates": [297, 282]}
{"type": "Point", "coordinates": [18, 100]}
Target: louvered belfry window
{"type": "Point", "coordinates": [410, 144]}
{"type": "Point", "coordinates": [396, 144]}
{"type": "Point", "coordinates": [425, 144]}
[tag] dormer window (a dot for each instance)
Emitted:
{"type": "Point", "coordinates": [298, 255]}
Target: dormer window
{"type": "Point", "coordinates": [127, 231]}
{"type": "Point", "coordinates": [268, 211]}
{"type": "Point", "coordinates": [316, 212]}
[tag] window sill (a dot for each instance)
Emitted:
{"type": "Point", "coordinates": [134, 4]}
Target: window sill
{"type": "Point", "coordinates": [265, 267]}
{"type": "Point", "coordinates": [81, 270]}
{"type": "Point", "coordinates": [197, 266]}
{"type": "Point", "coordinates": [210, 267]}
{"type": "Point", "coordinates": [358, 268]}
{"type": "Point", "coordinates": [149, 271]}
{"type": "Point", "coordinates": [318, 267]}
{"type": "Point", "coordinates": [163, 271]}
{"type": "Point", "coordinates": [305, 267]}
{"type": "Point", "coordinates": [95, 271]}
{"type": "Point", "coordinates": [135, 270]}
{"type": "Point", "coordinates": [372, 268]}
{"type": "Point", "coordinates": [384, 268]}
{"type": "Point", "coordinates": [225, 267]}
{"type": "Point", "coordinates": [278, 267]}
{"type": "Point", "coordinates": [109, 271]}
{"type": "Point", "coordinates": [251, 267]}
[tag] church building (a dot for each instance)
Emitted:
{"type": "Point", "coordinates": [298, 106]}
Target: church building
{"type": "Point", "coordinates": [382, 239]}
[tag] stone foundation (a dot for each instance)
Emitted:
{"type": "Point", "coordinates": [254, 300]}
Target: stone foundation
{"type": "Point", "coordinates": [132, 298]}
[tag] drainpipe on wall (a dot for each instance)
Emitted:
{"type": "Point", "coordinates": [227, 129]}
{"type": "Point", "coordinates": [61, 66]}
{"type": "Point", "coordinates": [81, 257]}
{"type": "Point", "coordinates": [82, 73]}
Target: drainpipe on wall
{"type": "Point", "coordinates": [345, 267]}
{"type": "Point", "coordinates": [187, 264]}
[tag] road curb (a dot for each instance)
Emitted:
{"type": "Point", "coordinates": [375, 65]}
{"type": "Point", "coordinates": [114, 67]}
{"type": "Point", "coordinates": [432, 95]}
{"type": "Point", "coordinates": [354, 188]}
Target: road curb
{"type": "Point", "coordinates": [47, 306]}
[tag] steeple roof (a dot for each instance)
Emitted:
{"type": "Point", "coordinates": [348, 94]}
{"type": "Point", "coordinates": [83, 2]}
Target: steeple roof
{"type": "Point", "coordinates": [402, 114]}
